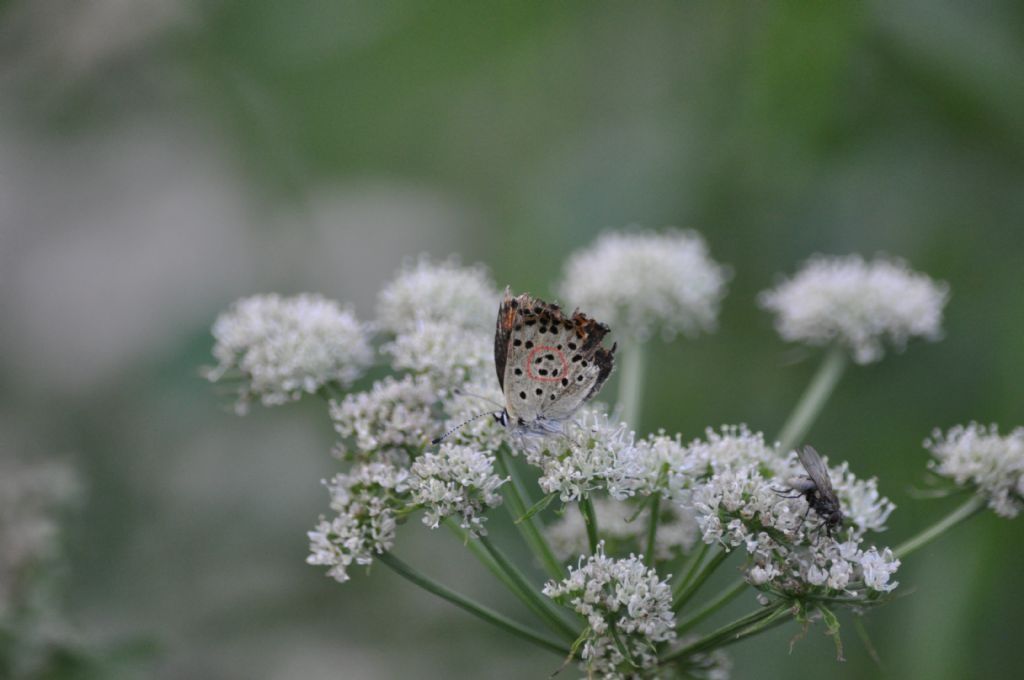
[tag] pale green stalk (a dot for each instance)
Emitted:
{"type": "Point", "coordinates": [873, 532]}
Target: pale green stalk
{"type": "Point", "coordinates": [722, 599]}
{"type": "Point", "coordinates": [514, 494]}
{"type": "Point", "coordinates": [631, 382]}
{"type": "Point", "coordinates": [590, 520]}
{"type": "Point", "coordinates": [813, 399]}
{"type": "Point", "coordinates": [652, 529]}
{"type": "Point", "coordinates": [692, 564]}
{"type": "Point", "coordinates": [540, 605]}
{"type": "Point", "coordinates": [513, 581]}
{"type": "Point", "coordinates": [742, 627]}
{"type": "Point", "coordinates": [974, 505]}
{"type": "Point", "coordinates": [474, 608]}
{"type": "Point", "coordinates": [687, 590]}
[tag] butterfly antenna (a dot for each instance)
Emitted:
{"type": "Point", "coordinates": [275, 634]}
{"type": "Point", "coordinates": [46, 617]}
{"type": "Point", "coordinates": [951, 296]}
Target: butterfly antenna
{"type": "Point", "coordinates": [459, 392]}
{"type": "Point", "coordinates": [447, 434]}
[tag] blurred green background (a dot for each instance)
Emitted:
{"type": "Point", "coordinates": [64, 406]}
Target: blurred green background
{"type": "Point", "coordinates": [160, 158]}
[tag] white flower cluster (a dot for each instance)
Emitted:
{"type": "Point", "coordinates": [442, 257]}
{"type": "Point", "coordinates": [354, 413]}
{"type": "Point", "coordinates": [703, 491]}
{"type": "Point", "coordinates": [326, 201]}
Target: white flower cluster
{"type": "Point", "coordinates": [31, 496]}
{"type": "Point", "coordinates": [366, 500]}
{"type": "Point", "coordinates": [628, 611]}
{"type": "Point", "coordinates": [457, 480]}
{"type": "Point", "coordinates": [470, 414]}
{"type": "Point", "coordinates": [595, 454]}
{"type": "Point", "coordinates": [625, 530]}
{"type": "Point", "coordinates": [286, 346]}
{"type": "Point", "coordinates": [746, 502]}
{"type": "Point", "coordinates": [857, 304]}
{"type": "Point", "coordinates": [393, 421]}
{"type": "Point", "coordinates": [448, 355]}
{"type": "Point", "coordinates": [642, 282]}
{"type": "Point", "coordinates": [442, 292]}
{"type": "Point", "coordinates": [978, 455]}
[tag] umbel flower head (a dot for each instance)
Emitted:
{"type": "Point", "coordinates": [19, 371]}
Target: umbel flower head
{"type": "Point", "coordinates": [392, 421]}
{"type": "Point", "coordinates": [442, 292]}
{"type": "Point", "coordinates": [456, 481]}
{"type": "Point", "coordinates": [597, 453]}
{"type": "Point", "coordinates": [446, 354]}
{"type": "Point", "coordinates": [366, 499]}
{"type": "Point", "coordinates": [857, 304]}
{"type": "Point", "coordinates": [977, 455]}
{"type": "Point", "coordinates": [644, 282]}
{"type": "Point", "coordinates": [627, 607]}
{"type": "Point", "coordinates": [738, 488]}
{"type": "Point", "coordinates": [286, 346]}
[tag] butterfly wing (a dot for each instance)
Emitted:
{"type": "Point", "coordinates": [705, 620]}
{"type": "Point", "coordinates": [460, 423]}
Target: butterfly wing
{"type": "Point", "coordinates": [816, 470]}
{"type": "Point", "coordinates": [503, 333]}
{"type": "Point", "coordinates": [552, 363]}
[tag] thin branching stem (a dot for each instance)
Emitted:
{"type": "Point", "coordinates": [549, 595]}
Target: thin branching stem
{"type": "Point", "coordinates": [972, 506]}
{"type": "Point", "coordinates": [652, 529]}
{"type": "Point", "coordinates": [722, 599]}
{"type": "Point", "coordinates": [543, 607]}
{"type": "Point", "coordinates": [731, 632]}
{"type": "Point", "coordinates": [590, 519]}
{"type": "Point", "coordinates": [514, 494]}
{"type": "Point", "coordinates": [687, 590]}
{"type": "Point", "coordinates": [526, 594]}
{"type": "Point", "coordinates": [814, 398]}
{"type": "Point", "coordinates": [692, 564]}
{"type": "Point", "coordinates": [465, 603]}
{"type": "Point", "coordinates": [631, 382]}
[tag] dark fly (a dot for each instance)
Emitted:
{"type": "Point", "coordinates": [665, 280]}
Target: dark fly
{"type": "Point", "coordinates": [816, 488]}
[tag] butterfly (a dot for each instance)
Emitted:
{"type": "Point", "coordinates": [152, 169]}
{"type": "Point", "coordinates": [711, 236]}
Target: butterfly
{"type": "Point", "coordinates": [548, 364]}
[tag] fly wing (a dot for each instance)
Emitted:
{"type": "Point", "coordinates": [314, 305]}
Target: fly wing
{"type": "Point", "coordinates": [816, 469]}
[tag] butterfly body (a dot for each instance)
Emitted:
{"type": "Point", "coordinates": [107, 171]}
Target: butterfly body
{"type": "Point", "coordinates": [548, 364]}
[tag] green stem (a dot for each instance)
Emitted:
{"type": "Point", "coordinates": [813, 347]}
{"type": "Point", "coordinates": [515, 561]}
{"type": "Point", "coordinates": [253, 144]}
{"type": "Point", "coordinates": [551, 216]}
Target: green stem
{"type": "Point", "coordinates": [590, 519]}
{"type": "Point", "coordinates": [729, 633]}
{"type": "Point", "coordinates": [723, 598]}
{"type": "Point", "coordinates": [530, 527]}
{"type": "Point", "coordinates": [813, 398]}
{"type": "Point", "coordinates": [691, 567]}
{"type": "Point", "coordinates": [652, 528]}
{"type": "Point", "coordinates": [973, 505]}
{"type": "Point", "coordinates": [631, 382]}
{"type": "Point", "coordinates": [463, 602]}
{"type": "Point", "coordinates": [688, 590]}
{"type": "Point", "coordinates": [540, 606]}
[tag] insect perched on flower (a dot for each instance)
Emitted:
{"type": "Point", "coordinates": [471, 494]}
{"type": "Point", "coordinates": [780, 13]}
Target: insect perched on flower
{"type": "Point", "coordinates": [816, 488]}
{"type": "Point", "coordinates": [548, 364]}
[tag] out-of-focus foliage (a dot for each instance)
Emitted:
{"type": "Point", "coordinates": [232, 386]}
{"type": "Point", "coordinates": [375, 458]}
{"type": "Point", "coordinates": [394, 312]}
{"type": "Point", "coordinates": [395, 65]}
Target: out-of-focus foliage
{"type": "Point", "coordinates": [160, 159]}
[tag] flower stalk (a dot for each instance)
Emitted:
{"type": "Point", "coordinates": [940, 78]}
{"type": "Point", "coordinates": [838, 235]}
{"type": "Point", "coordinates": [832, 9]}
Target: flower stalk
{"type": "Point", "coordinates": [814, 398]}
{"type": "Point", "coordinates": [590, 519]}
{"type": "Point", "coordinates": [631, 381]}
{"type": "Point", "coordinates": [515, 494]}
{"type": "Point", "coordinates": [652, 529]}
{"type": "Point", "coordinates": [687, 589]}
{"type": "Point", "coordinates": [465, 603]}
{"type": "Point", "coordinates": [968, 509]}
{"type": "Point", "coordinates": [732, 632]}
{"type": "Point", "coordinates": [722, 599]}
{"type": "Point", "coordinates": [530, 595]}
